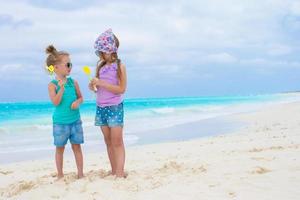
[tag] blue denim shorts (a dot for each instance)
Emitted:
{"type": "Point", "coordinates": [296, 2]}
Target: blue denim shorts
{"type": "Point", "coordinates": [63, 132]}
{"type": "Point", "coordinates": [110, 116]}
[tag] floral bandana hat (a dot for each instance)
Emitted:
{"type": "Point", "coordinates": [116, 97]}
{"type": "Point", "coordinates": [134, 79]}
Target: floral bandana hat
{"type": "Point", "coordinates": [106, 43]}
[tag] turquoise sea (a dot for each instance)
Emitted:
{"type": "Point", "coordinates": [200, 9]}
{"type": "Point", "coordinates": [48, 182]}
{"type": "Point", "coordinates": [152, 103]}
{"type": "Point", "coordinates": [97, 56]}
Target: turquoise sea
{"type": "Point", "coordinates": [26, 128]}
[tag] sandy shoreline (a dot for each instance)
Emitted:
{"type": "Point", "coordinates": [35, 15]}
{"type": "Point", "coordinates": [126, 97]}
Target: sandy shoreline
{"type": "Point", "coordinates": [178, 132]}
{"type": "Point", "coordinates": [260, 161]}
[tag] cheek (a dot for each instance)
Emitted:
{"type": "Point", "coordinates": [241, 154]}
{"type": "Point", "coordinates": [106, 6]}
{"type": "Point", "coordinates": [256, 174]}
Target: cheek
{"type": "Point", "coordinates": [104, 57]}
{"type": "Point", "coordinates": [61, 70]}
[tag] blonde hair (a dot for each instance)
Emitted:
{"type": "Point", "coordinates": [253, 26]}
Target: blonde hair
{"type": "Point", "coordinates": [54, 56]}
{"type": "Point", "coordinates": [113, 58]}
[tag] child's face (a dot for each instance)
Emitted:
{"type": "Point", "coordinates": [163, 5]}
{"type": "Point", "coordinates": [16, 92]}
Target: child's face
{"type": "Point", "coordinates": [64, 66]}
{"type": "Point", "coordinates": [105, 56]}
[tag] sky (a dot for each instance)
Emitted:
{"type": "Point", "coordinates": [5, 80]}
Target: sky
{"type": "Point", "coordinates": [169, 48]}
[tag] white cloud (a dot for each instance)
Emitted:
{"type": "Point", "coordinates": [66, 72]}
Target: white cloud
{"type": "Point", "coordinates": [279, 49]}
{"type": "Point", "coordinates": [61, 4]}
{"type": "Point", "coordinates": [295, 8]}
{"type": "Point", "coordinates": [10, 68]}
{"type": "Point", "coordinates": [8, 21]}
{"type": "Point", "coordinates": [270, 64]}
{"type": "Point", "coordinates": [21, 72]}
{"type": "Point", "coordinates": [221, 58]}
{"type": "Point", "coordinates": [180, 33]}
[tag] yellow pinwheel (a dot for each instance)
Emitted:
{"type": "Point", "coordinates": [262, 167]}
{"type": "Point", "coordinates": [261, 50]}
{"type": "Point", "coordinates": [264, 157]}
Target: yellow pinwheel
{"type": "Point", "coordinates": [87, 71]}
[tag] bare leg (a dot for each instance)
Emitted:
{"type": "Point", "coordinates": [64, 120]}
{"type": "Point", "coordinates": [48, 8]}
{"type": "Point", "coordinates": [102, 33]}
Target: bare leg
{"type": "Point", "coordinates": [79, 159]}
{"type": "Point", "coordinates": [107, 138]}
{"type": "Point", "coordinates": [59, 157]}
{"type": "Point", "coordinates": [118, 149]}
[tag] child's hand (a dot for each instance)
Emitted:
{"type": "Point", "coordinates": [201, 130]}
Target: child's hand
{"type": "Point", "coordinates": [98, 82]}
{"type": "Point", "coordinates": [61, 84]}
{"type": "Point", "coordinates": [94, 81]}
{"type": "Point", "coordinates": [75, 105]}
{"type": "Point", "coordinates": [92, 87]}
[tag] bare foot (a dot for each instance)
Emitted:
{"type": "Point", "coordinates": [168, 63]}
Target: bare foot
{"type": "Point", "coordinates": [110, 173]}
{"type": "Point", "coordinates": [59, 177]}
{"type": "Point", "coordinates": [79, 176]}
{"type": "Point", "coordinates": [122, 175]}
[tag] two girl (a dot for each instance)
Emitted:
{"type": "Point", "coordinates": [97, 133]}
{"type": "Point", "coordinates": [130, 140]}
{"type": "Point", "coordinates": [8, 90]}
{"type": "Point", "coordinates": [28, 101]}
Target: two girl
{"type": "Point", "coordinates": [109, 85]}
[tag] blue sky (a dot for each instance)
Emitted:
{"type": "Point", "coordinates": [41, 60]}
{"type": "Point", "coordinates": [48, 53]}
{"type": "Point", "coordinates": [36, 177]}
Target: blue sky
{"type": "Point", "coordinates": [170, 48]}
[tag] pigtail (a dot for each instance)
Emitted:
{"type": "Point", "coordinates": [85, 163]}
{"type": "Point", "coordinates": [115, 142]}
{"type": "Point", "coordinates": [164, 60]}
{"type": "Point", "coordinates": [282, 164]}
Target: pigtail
{"type": "Point", "coordinates": [53, 57]}
{"type": "Point", "coordinates": [51, 50]}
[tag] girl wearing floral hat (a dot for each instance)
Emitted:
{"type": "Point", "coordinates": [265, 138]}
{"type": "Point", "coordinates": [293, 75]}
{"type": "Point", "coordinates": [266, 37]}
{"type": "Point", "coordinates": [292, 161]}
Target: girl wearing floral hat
{"type": "Point", "coordinates": [111, 83]}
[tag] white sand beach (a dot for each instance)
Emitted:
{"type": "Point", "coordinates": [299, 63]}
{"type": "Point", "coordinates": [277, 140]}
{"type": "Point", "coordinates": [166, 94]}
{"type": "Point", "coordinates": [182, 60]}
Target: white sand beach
{"type": "Point", "coordinates": [259, 161]}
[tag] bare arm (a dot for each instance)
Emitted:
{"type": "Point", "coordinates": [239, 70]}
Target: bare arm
{"type": "Point", "coordinates": [79, 100]}
{"type": "Point", "coordinates": [55, 97]}
{"type": "Point", "coordinates": [78, 93]}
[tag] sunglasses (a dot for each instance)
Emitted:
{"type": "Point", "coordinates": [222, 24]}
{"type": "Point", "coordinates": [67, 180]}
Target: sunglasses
{"type": "Point", "coordinates": [69, 65]}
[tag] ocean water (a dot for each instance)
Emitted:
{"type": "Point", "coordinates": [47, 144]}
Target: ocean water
{"type": "Point", "coordinates": [26, 128]}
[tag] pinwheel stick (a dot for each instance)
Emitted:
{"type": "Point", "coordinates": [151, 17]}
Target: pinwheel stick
{"type": "Point", "coordinates": [87, 71]}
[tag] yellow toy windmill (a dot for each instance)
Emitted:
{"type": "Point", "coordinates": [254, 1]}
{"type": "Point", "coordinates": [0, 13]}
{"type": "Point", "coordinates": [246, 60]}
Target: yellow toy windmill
{"type": "Point", "coordinates": [87, 71]}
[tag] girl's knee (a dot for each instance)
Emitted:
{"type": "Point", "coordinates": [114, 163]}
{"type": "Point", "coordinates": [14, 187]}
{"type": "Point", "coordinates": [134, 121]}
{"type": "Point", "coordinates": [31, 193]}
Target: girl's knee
{"type": "Point", "coordinates": [107, 141]}
{"type": "Point", "coordinates": [60, 149]}
{"type": "Point", "coordinates": [76, 147]}
{"type": "Point", "coordinates": [117, 142]}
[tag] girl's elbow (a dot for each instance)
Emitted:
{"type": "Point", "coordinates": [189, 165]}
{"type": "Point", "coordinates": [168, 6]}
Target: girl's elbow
{"type": "Point", "coordinates": [122, 91]}
{"type": "Point", "coordinates": [119, 90]}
